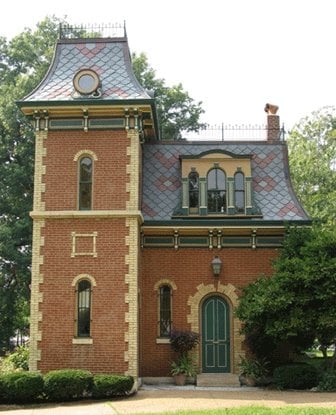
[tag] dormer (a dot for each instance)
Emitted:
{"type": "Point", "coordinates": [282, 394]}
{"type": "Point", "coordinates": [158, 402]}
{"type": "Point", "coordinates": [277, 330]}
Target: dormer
{"type": "Point", "coordinates": [216, 184]}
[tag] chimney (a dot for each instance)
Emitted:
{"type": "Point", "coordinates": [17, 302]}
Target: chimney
{"type": "Point", "coordinates": [273, 122]}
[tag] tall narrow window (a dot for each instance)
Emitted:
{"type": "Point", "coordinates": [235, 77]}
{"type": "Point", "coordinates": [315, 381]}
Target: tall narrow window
{"type": "Point", "coordinates": [239, 192]}
{"type": "Point", "coordinates": [216, 182]}
{"type": "Point", "coordinates": [83, 308]}
{"type": "Point", "coordinates": [193, 192]}
{"type": "Point", "coordinates": [85, 184]}
{"type": "Point", "coordinates": [165, 311]}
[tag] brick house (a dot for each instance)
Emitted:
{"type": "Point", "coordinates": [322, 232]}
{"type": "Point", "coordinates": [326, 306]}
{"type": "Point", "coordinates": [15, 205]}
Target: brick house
{"type": "Point", "coordinates": [127, 225]}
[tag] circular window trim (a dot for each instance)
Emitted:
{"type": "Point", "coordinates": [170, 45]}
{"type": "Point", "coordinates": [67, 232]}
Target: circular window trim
{"type": "Point", "coordinates": [83, 72]}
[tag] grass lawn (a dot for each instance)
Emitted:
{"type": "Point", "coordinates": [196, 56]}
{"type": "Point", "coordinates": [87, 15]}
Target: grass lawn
{"type": "Point", "coordinates": [253, 410]}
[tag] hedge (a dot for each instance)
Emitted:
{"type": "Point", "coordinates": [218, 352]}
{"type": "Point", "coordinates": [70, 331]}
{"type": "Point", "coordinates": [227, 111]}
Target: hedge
{"type": "Point", "coordinates": [67, 384]}
{"type": "Point", "coordinates": [111, 385]}
{"type": "Point", "coordinates": [61, 385]}
{"type": "Point", "coordinates": [21, 387]}
{"type": "Point", "coordinates": [295, 376]}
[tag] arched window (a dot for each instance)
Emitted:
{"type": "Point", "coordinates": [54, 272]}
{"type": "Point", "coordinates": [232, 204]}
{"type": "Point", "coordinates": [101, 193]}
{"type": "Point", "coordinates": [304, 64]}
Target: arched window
{"type": "Point", "coordinates": [83, 308]}
{"type": "Point", "coordinates": [193, 192]}
{"type": "Point", "coordinates": [239, 192]}
{"type": "Point", "coordinates": [85, 183]}
{"type": "Point", "coordinates": [165, 306]}
{"type": "Point", "coordinates": [216, 183]}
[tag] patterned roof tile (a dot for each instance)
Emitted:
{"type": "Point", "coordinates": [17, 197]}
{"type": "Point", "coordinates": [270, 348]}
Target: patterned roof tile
{"type": "Point", "coordinates": [272, 190]}
{"type": "Point", "coordinates": [110, 59]}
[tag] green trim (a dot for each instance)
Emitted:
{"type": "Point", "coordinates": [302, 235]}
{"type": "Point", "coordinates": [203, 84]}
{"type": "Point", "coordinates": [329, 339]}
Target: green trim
{"type": "Point", "coordinates": [63, 124]}
{"type": "Point", "coordinates": [158, 240]}
{"type": "Point", "coordinates": [193, 241]}
{"type": "Point", "coordinates": [226, 222]}
{"type": "Point", "coordinates": [269, 241]}
{"type": "Point", "coordinates": [107, 123]}
{"type": "Point", "coordinates": [88, 101]}
{"type": "Point", "coordinates": [236, 241]}
{"type": "Point", "coordinates": [216, 151]}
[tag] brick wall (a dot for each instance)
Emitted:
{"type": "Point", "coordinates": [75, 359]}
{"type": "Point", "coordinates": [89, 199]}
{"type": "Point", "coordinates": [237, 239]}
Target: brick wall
{"type": "Point", "coordinates": [108, 326]}
{"type": "Point", "coordinates": [109, 175]}
{"type": "Point", "coordinates": [187, 268]}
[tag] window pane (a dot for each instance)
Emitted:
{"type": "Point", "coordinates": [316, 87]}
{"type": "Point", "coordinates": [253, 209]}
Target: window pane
{"type": "Point", "coordinates": [84, 312]}
{"type": "Point", "coordinates": [239, 181]}
{"type": "Point", "coordinates": [239, 192]}
{"type": "Point", "coordinates": [85, 195]}
{"type": "Point", "coordinates": [85, 169]}
{"type": "Point", "coordinates": [216, 182]}
{"type": "Point", "coordinates": [165, 311]}
{"type": "Point", "coordinates": [193, 190]}
{"type": "Point", "coordinates": [85, 184]}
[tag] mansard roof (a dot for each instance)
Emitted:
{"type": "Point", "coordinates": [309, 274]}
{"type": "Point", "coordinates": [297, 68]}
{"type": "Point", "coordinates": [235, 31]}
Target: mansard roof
{"type": "Point", "coordinates": [272, 189]}
{"type": "Point", "coordinates": [109, 58]}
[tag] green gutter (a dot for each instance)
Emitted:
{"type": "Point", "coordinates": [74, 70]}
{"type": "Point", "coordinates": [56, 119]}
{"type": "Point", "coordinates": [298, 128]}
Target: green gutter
{"type": "Point", "coordinates": [227, 223]}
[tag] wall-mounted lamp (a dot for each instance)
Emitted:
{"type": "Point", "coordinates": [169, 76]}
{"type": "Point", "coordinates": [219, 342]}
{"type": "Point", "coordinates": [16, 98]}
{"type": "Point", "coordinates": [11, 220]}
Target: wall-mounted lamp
{"type": "Point", "coordinates": [216, 265]}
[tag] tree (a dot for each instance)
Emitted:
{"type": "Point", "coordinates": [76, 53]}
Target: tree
{"type": "Point", "coordinates": [297, 304]}
{"type": "Point", "coordinates": [312, 159]}
{"type": "Point", "coordinates": [24, 61]}
{"type": "Point", "coordinates": [177, 111]}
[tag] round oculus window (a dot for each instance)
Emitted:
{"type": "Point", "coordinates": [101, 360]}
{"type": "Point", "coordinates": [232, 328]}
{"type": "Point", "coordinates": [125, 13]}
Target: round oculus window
{"type": "Point", "coordinates": [86, 81]}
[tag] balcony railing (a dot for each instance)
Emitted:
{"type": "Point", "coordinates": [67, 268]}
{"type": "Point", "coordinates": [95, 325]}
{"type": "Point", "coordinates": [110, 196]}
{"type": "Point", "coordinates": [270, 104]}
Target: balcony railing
{"type": "Point", "coordinates": [234, 132]}
{"type": "Point", "coordinates": [92, 31]}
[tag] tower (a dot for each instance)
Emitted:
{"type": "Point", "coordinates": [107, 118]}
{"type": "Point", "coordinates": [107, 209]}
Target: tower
{"type": "Point", "coordinates": [90, 115]}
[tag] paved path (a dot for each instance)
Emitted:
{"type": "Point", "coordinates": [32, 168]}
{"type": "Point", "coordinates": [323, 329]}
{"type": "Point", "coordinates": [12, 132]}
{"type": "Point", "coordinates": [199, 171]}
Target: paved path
{"type": "Point", "coordinates": [158, 399]}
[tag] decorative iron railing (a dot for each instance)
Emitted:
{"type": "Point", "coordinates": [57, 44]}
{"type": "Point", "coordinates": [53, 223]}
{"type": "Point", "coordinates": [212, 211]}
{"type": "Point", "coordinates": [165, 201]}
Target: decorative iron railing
{"type": "Point", "coordinates": [92, 31]}
{"type": "Point", "coordinates": [242, 132]}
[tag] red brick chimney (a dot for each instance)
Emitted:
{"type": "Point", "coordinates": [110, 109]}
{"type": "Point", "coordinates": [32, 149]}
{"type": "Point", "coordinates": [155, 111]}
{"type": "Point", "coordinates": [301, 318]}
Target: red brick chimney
{"type": "Point", "coordinates": [273, 122]}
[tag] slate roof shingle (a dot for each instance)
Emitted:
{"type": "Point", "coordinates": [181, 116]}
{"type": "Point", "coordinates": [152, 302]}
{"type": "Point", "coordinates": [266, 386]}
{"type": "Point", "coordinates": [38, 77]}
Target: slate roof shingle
{"type": "Point", "coordinates": [272, 189]}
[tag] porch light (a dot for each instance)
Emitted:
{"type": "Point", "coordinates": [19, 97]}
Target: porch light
{"type": "Point", "coordinates": [216, 265]}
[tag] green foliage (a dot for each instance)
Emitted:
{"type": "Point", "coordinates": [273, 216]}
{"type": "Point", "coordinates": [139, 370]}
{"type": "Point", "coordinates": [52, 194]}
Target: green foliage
{"type": "Point", "coordinates": [176, 110]}
{"type": "Point", "coordinates": [183, 341]}
{"type": "Point", "coordinates": [312, 159]}
{"type": "Point", "coordinates": [20, 387]}
{"type": "Point", "coordinates": [111, 385]}
{"type": "Point", "coordinates": [19, 359]}
{"type": "Point", "coordinates": [23, 62]}
{"type": "Point", "coordinates": [297, 304]}
{"type": "Point", "coordinates": [327, 382]}
{"type": "Point", "coordinates": [295, 376]}
{"type": "Point", "coordinates": [67, 384]}
{"type": "Point", "coordinates": [183, 365]}
{"type": "Point", "coordinates": [258, 368]}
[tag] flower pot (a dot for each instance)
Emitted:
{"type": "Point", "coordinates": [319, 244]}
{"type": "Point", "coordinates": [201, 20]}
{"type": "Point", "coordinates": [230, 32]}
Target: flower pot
{"type": "Point", "coordinates": [180, 379]}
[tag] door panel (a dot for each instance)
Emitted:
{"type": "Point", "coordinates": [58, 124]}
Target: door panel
{"type": "Point", "coordinates": [215, 335]}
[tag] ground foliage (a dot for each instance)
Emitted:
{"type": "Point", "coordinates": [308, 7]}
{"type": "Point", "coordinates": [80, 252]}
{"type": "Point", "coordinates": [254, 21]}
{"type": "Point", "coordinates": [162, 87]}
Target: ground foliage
{"type": "Point", "coordinates": [297, 304]}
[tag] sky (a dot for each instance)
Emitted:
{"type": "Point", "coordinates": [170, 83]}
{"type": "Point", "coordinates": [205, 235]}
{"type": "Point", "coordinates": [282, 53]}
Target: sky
{"type": "Point", "coordinates": [233, 55]}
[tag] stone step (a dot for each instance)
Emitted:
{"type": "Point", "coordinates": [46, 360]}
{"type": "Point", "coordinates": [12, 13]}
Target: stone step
{"type": "Point", "coordinates": [218, 379]}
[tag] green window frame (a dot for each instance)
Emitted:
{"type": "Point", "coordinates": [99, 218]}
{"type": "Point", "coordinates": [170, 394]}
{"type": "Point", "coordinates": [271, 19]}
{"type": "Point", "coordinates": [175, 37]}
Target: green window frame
{"type": "Point", "coordinates": [239, 186]}
{"type": "Point", "coordinates": [165, 310]}
{"type": "Point", "coordinates": [217, 191]}
{"type": "Point", "coordinates": [84, 299]}
{"type": "Point", "coordinates": [193, 184]}
{"type": "Point", "coordinates": [85, 183]}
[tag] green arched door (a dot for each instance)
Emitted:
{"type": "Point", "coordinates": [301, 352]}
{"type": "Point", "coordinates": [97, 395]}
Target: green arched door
{"type": "Point", "coordinates": [215, 335]}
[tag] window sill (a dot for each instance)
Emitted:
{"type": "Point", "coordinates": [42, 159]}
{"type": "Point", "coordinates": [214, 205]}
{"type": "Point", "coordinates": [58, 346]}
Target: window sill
{"type": "Point", "coordinates": [84, 340]}
{"type": "Point", "coordinates": [162, 340]}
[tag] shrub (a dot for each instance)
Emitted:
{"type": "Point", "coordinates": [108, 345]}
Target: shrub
{"type": "Point", "coordinates": [19, 359]}
{"type": "Point", "coordinates": [111, 385]}
{"type": "Point", "coordinates": [328, 381]}
{"type": "Point", "coordinates": [20, 387]}
{"type": "Point", "coordinates": [67, 384]}
{"type": "Point", "coordinates": [183, 341]}
{"type": "Point", "coordinates": [295, 376]}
